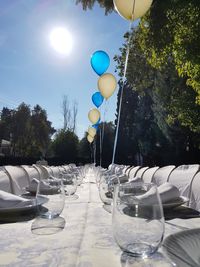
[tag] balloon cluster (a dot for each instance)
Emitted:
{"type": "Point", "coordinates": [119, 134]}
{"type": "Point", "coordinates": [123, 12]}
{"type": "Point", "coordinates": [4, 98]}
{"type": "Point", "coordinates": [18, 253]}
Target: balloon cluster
{"type": "Point", "coordinates": [107, 84]}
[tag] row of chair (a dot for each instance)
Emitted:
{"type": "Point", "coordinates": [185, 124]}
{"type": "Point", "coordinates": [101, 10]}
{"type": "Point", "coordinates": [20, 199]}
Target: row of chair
{"type": "Point", "coordinates": [185, 177]}
{"type": "Point", "coordinates": [14, 179]}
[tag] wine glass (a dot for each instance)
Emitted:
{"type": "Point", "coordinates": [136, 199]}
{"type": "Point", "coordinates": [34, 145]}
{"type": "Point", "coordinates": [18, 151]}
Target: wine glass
{"type": "Point", "coordinates": [137, 220]}
{"type": "Point", "coordinates": [52, 196]}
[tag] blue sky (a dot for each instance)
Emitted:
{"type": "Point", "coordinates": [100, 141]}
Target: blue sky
{"type": "Point", "coordinates": [32, 72]}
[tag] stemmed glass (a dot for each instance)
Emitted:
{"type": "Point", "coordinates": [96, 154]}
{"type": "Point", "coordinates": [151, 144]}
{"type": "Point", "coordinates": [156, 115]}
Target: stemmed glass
{"type": "Point", "coordinates": [137, 219]}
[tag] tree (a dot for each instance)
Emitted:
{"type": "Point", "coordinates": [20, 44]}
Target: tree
{"type": "Point", "coordinates": [29, 130]}
{"type": "Point", "coordinates": [42, 130]}
{"type": "Point", "coordinates": [65, 146]}
{"type": "Point", "coordinates": [6, 123]}
{"type": "Point", "coordinates": [107, 4]}
{"type": "Point", "coordinates": [85, 150]}
{"type": "Point", "coordinates": [171, 31]}
{"type": "Point", "coordinates": [107, 143]}
{"type": "Point", "coordinates": [165, 98]}
{"type": "Point", "coordinates": [69, 114]}
{"type": "Point", "coordinates": [22, 131]}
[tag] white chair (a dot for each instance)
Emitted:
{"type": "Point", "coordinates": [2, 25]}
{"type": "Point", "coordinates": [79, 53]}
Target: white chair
{"type": "Point", "coordinates": [124, 169]}
{"type": "Point", "coordinates": [56, 171]}
{"type": "Point", "coordinates": [32, 172]}
{"type": "Point", "coordinates": [133, 172]}
{"type": "Point", "coordinates": [18, 177]}
{"type": "Point", "coordinates": [45, 171]}
{"type": "Point", "coordinates": [194, 202]}
{"type": "Point", "coordinates": [127, 170]}
{"type": "Point", "coordinates": [182, 178]}
{"type": "Point", "coordinates": [141, 171]}
{"type": "Point", "coordinates": [161, 176]}
{"type": "Point", "coordinates": [148, 175]}
{"type": "Point", "coordinates": [5, 183]}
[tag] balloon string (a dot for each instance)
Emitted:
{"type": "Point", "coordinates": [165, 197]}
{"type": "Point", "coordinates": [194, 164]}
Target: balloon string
{"type": "Point", "coordinates": [103, 129]}
{"type": "Point", "coordinates": [122, 90]}
{"type": "Point", "coordinates": [133, 10]}
{"type": "Point", "coordinates": [90, 152]}
{"type": "Point", "coordinates": [94, 145]}
{"type": "Point", "coordinates": [100, 144]}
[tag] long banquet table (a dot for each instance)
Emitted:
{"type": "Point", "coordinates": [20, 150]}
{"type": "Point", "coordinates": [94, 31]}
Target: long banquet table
{"type": "Point", "coordinates": [85, 241]}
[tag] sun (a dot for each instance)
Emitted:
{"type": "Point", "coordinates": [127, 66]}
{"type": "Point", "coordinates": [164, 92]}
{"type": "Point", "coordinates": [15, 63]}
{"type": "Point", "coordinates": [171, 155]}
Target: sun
{"type": "Point", "coordinates": [61, 40]}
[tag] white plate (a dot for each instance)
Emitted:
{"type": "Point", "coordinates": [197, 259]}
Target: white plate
{"type": "Point", "coordinates": [29, 206]}
{"type": "Point", "coordinates": [175, 203]}
{"type": "Point", "coordinates": [183, 248]}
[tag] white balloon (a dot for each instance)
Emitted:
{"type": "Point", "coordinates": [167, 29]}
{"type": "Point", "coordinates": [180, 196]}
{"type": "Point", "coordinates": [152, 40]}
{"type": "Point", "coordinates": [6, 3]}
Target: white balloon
{"type": "Point", "coordinates": [94, 115]}
{"type": "Point", "coordinates": [107, 84]}
{"type": "Point", "coordinates": [132, 9]}
{"type": "Point", "coordinates": [90, 138]}
{"type": "Point", "coordinates": [92, 131]}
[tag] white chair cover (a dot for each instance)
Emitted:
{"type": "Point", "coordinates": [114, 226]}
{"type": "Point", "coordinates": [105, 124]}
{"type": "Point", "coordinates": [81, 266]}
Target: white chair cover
{"type": "Point", "coordinates": [5, 183]}
{"type": "Point", "coordinates": [44, 170]}
{"type": "Point", "coordinates": [18, 177]}
{"type": "Point", "coordinates": [149, 174]}
{"type": "Point", "coordinates": [195, 193]}
{"type": "Point", "coordinates": [161, 176]}
{"type": "Point", "coordinates": [31, 171]}
{"type": "Point", "coordinates": [55, 170]}
{"type": "Point", "coordinates": [141, 171]}
{"type": "Point", "coordinates": [133, 172]}
{"type": "Point", "coordinates": [182, 178]}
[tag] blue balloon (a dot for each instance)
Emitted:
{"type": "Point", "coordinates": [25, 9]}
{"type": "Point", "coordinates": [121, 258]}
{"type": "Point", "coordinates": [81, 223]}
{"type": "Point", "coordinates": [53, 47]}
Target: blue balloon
{"type": "Point", "coordinates": [96, 125]}
{"type": "Point", "coordinates": [100, 62]}
{"type": "Point", "coordinates": [97, 99]}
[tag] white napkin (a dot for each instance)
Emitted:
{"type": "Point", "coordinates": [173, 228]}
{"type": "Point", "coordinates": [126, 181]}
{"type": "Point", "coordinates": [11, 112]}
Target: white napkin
{"type": "Point", "coordinates": [115, 179]}
{"type": "Point", "coordinates": [8, 200]}
{"type": "Point", "coordinates": [44, 187]}
{"type": "Point", "coordinates": [167, 191]}
{"type": "Point", "coordinates": [135, 180]}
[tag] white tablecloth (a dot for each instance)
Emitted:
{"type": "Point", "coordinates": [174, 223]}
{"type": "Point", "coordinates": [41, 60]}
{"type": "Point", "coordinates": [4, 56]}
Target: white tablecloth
{"type": "Point", "coordinates": [86, 240]}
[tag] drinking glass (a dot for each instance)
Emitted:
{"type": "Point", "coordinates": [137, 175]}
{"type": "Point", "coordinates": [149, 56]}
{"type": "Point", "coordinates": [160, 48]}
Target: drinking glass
{"type": "Point", "coordinates": [106, 188]}
{"type": "Point", "coordinates": [52, 195]}
{"type": "Point", "coordinates": [70, 185]}
{"type": "Point", "coordinates": [137, 219]}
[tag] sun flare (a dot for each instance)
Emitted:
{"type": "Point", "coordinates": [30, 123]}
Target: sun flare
{"type": "Point", "coordinates": [61, 40]}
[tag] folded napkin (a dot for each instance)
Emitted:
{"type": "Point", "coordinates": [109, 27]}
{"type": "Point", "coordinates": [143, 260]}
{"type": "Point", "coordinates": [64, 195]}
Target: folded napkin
{"type": "Point", "coordinates": [135, 180]}
{"type": "Point", "coordinates": [8, 200]}
{"type": "Point", "coordinates": [44, 186]}
{"type": "Point", "coordinates": [115, 179]}
{"type": "Point", "coordinates": [167, 191]}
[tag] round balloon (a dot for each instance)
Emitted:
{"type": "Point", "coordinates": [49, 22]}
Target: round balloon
{"type": "Point", "coordinates": [90, 138]}
{"type": "Point", "coordinates": [92, 131]}
{"type": "Point", "coordinates": [132, 9]}
{"type": "Point", "coordinates": [94, 115]}
{"type": "Point", "coordinates": [107, 84]}
{"type": "Point", "coordinates": [100, 62]}
{"type": "Point", "coordinates": [97, 99]}
{"type": "Point", "coordinates": [95, 126]}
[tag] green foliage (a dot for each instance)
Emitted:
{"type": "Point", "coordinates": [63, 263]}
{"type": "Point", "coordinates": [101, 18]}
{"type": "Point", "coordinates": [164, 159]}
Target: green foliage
{"type": "Point", "coordinates": [85, 149]}
{"type": "Point", "coordinates": [88, 4]}
{"type": "Point", "coordinates": [106, 131]}
{"type": "Point", "coordinates": [65, 145]}
{"type": "Point", "coordinates": [171, 31]}
{"type": "Point", "coordinates": [29, 130]}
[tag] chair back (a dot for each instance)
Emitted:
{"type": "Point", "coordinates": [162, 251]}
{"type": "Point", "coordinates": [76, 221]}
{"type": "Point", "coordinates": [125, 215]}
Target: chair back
{"type": "Point", "coordinates": [194, 202]}
{"type": "Point", "coordinates": [182, 178]}
{"type": "Point", "coordinates": [161, 176]}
